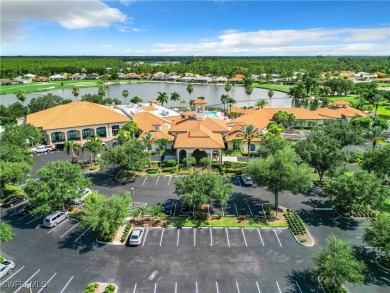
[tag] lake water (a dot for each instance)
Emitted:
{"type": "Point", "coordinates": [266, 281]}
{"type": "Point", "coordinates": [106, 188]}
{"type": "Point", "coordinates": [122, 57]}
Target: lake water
{"type": "Point", "coordinates": [148, 91]}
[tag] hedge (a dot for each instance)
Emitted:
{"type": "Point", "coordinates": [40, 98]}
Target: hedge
{"type": "Point", "coordinates": [170, 169]}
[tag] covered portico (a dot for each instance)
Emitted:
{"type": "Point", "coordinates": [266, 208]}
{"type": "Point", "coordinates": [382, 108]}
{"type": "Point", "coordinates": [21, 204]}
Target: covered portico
{"type": "Point", "coordinates": [189, 152]}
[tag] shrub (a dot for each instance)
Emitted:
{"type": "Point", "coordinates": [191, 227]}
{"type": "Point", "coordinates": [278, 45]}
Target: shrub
{"type": "Point", "coordinates": [233, 170]}
{"type": "Point", "coordinates": [242, 218]}
{"type": "Point", "coordinates": [170, 163]}
{"type": "Point", "coordinates": [294, 222]}
{"type": "Point", "coordinates": [169, 169]}
{"type": "Point", "coordinates": [152, 170]}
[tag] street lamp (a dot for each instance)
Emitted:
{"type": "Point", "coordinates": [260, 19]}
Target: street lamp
{"type": "Point", "coordinates": [132, 196]}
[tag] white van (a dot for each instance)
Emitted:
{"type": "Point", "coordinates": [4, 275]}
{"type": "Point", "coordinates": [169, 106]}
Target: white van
{"type": "Point", "coordinates": [55, 218]}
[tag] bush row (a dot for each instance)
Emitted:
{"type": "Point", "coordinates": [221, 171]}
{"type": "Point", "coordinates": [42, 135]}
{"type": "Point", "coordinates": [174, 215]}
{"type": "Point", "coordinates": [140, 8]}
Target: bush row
{"type": "Point", "coordinates": [170, 169]}
{"type": "Point", "coordinates": [235, 164]}
{"type": "Point", "coordinates": [109, 289]}
{"type": "Point", "coordinates": [359, 211]}
{"type": "Point", "coordinates": [125, 233]}
{"type": "Point", "coordinates": [294, 222]}
{"type": "Point", "coordinates": [91, 288]}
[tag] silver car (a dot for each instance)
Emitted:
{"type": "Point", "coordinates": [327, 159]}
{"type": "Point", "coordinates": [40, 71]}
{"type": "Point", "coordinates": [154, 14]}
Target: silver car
{"type": "Point", "coordinates": [55, 218]}
{"type": "Point", "coordinates": [136, 236]}
{"type": "Point", "coordinates": [6, 267]}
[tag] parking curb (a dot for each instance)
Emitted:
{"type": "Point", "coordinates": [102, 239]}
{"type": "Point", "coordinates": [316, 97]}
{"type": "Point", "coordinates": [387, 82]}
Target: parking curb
{"type": "Point", "coordinates": [311, 245]}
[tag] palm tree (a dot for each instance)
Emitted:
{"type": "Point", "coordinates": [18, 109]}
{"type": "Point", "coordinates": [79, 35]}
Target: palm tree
{"type": "Point", "coordinates": [261, 103]}
{"type": "Point", "coordinates": [102, 91]}
{"type": "Point", "coordinates": [190, 89]}
{"type": "Point", "coordinates": [125, 94]}
{"type": "Point", "coordinates": [71, 146]}
{"type": "Point", "coordinates": [228, 87]}
{"type": "Point", "coordinates": [162, 145]}
{"type": "Point", "coordinates": [148, 139]}
{"type": "Point", "coordinates": [376, 100]}
{"type": "Point", "coordinates": [249, 133]}
{"type": "Point", "coordinates": [249, 91]}
{"type": "Point", "coordinates": [76, 92]}
{"type": "Point", "coordinates": [270, 95]}
{"type": "Point", "coordinates": [280, 117]}
{"type": "Point", "coordinates": [375, 134]}
{"type": "Point", "coordinates": [93, 145]}
{"type": "Point", "coordinates": [162, 98]}
{"type": "Point", "coordinates": [224, 99]}
{"type": "Point", "coordinates": [230, 101]}
{"type": "Point", "coordinates": [136, 100]}
{"type": "Point", "coordinates": [175, 97]}
{"type": "Point", "coordinates": [21, 96]}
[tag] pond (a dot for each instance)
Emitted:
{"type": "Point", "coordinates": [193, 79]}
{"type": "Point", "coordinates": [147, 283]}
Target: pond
{"type": "Point", "coordinates": [149, 90]}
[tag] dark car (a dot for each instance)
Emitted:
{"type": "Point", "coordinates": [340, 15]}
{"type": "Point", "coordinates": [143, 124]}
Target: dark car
{"type": "Point", "coordinates": [169, 206]}
{"type": "Point", "coordinates": [14, 200]}
{"type": "Point", "coordinates": [185, 208]}
{"type": "Point", "coordinates": [23, 210]}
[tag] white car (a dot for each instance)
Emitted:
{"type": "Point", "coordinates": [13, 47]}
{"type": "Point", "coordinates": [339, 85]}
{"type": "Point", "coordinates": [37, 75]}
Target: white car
{"type": "Point", "coordinates": [84, 193]}
{"type": "Point", "coordinates": [6, 267]}
{"type": "Point", "coordinates": [136, 236]}
{"type": "Point", "coordinates": [55, 218]}
{"type": "Point", "coordinates": [247, 180]}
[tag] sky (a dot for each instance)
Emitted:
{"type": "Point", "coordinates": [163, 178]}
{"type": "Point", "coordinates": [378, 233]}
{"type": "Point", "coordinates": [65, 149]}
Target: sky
{"type": "Point", "coordinates": [198, 28]}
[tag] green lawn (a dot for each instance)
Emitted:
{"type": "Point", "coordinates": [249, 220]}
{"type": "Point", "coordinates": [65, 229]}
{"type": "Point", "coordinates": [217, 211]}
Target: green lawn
{"type": "Point", "coordinates": [386, 207]}
{"type": "Point", "coordinates": [224, 222]}
{"type": "Point", "coordinates": [50, 85]}
{"type": "Point", "coordinates": [383, 84]}
{"type": "Point", "coordinates": [276, 87]}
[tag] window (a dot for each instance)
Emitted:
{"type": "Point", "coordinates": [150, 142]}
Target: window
{"type": "Point", "coordinates": [57, 136]}
{"type": "Point", "coordinates": [72, 134]}
{"type": "Point", "coordinates": [101, 131]}
{"type": "Point", "coordinates": [115, 129]}
{"type": "Point", "coordinates": [200, 109]}
{"type": "Point", "coordinates": [252, 147]}
{"type": "Point", "coordinates": [86, 133]}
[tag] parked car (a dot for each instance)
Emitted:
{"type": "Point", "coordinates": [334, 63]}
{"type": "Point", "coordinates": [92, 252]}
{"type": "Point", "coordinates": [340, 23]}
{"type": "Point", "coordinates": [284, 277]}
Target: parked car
{"type": "Point", "coordinates": [83, 195]}
{"type": "Point", "coordinates": [55, 218]}
{"type": "Point", "coordinates": [14, 200]}
{"type": "Point", "coordinates": [185, 208]}
{"type": "Point", "coordinates": [6, 267]}
{"type": "Point", "coordinates": [169, 206]}
{"type": "Point", "coordinates": [42, 149]}
{"type": "Point", "coordinates": [247, 180]}
{"type": "Point", "coordinates": [23, 210]}
{"type": "Point", "coordinates": [136, 236]}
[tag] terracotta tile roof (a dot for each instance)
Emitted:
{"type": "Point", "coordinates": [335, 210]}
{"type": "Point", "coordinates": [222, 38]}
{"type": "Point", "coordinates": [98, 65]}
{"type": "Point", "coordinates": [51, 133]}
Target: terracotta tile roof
{"type": "Point", "coordinates": [154, 101]}
{"type": "Point", "coordinates": [75, 114]}
{"type": "Point", "coordinates": [199, 138]}
{"type": "Point", "coordinates": [158, 135]}
{"type": "Point", "coordinates": [340, 112]}
{"type": "Point", "coordinates": [199, 101]}
{"type": "Point", "coordinates": [188, 123]}
{"type": "Point", "coordinates": [187, 113]}
{"type": "Point", "coordinates": [341, 103]}
{"type": "Point", "coordinates": [300, 113]}
{"type": "Point", "coordinates": [149, 108]}
{"type": "Point", "coordinates": [145, 121]}
{"type": "Point", "coordinates": [241, 110]}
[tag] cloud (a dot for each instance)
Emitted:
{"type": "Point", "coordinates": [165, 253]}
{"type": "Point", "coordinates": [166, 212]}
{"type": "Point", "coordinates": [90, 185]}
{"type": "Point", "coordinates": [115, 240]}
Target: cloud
{"type": "Point", "coordinates": [315, 41]}
{"type": "Point", "coordinates": [126, 2]}
{"type": "Point", "coordinates": [69, 14]}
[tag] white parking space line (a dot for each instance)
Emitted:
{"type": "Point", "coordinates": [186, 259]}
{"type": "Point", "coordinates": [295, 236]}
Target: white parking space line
{"type": "Point", "coordinates": [243, 234]}
{"type": "Point", "coordinates": [12, 275]}
{"type": "Point", "coordinates": [236, 210]}
{"type": "Point", "coordinates": [359, 237]}
{"type": "Point", "coordinates": [24, 217]}
{"type": "Point", "coordinates": [211, 237]}
{"type": "Point", "coordinates": [145, 180]}
{"type": "Point", "coordinates": [146, 234]}
{"type": "Point", "coordinates": [52, 229]}
{"type": "Point", "coordinates": [24, 284]}
{"type": "Point", "coordinates": [175, 287]}
{"type": "Point", "coordinates": [277, 238]}
{"type": "Point", "coordinates": [194, 237]}
{"type": "Point", "coordinates": [70, 229]}
{"type": "Point", "coordinates": [162, 234]}
{"type": "Point", "coordinates": [280, 291]}
{"type": "Point", "coordinates": [238, 288]}
{"type": "Point", "coordinates": [261, 238]}
{"type": "Point", "coordinates": [216, 286]}
{"type": "Point", "coordinates": [250, 210]}
{"type": "Point", "coordinates": [196, 287]}
{"type": "Point", "coordinates": [135, 287]}
{"type": "Point", "coordinates": [34, 219]}
{"type": "Point", "coordinates": [258, 288]}
{"type": "Point", "coordinates": [63, 290]}
{"type": "Point", "coordinates": [298, 287]}
{"type": "Point", "coordinates": [178, 237]}
{"type": "Point", "coordinates": [170, 178]}
{"type": "Point", "coordinates": [47, 282]}
{"type": "Point", "coordinates": [155, 287]}
{"type": "Point", "coordinates": [82, 234]}
{"type": "Point", "coordinates": [227, 236]}
{"type": "Point", "coordinates": [157, 180]}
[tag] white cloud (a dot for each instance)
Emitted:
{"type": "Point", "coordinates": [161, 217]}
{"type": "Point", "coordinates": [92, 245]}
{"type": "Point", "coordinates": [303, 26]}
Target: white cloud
{"type": "Point", "coordinates": [69, 14]}
{"type": "Point", "coordinates": [126, 2]}
{"type": "Point", "coordinates": [315, 41]}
